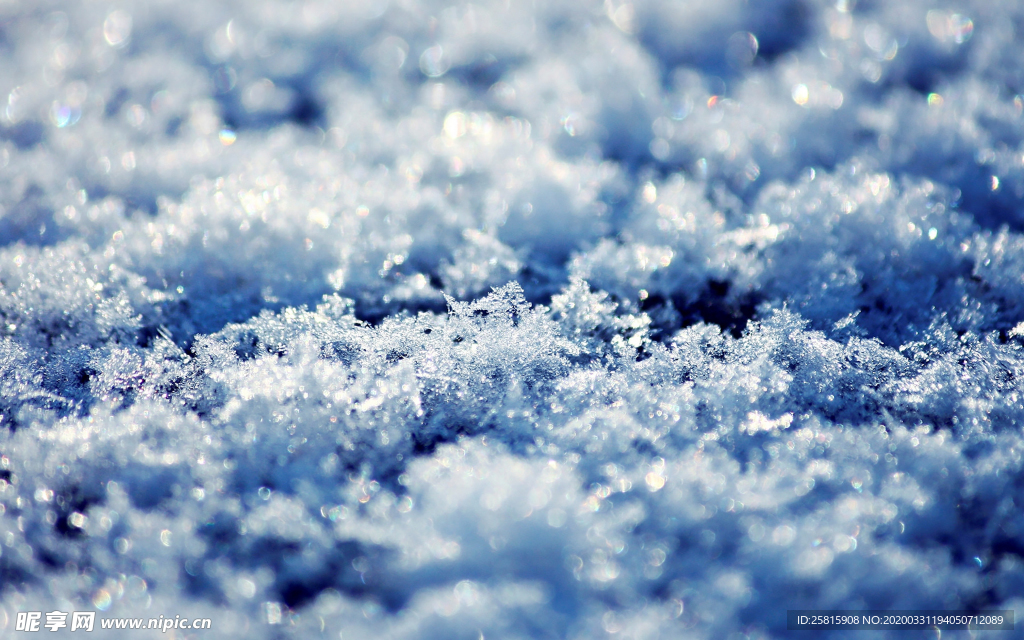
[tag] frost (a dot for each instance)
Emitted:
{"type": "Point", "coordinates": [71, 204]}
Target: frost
{"type": "Point", "coordinates": [428, 320]}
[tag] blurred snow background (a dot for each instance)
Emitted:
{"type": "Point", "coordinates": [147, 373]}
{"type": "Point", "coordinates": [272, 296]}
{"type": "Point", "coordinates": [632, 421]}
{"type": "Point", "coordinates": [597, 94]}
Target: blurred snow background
{"type": "Point", "coordinates": [733, 325]}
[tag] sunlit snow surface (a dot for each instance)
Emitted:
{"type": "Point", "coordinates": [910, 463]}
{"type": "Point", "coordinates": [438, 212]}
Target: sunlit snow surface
{"type": "Point", "coordinates": [734, 292]}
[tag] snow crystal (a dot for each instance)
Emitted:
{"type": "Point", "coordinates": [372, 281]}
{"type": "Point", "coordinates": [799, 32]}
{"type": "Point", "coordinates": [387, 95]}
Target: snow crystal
{"type": "Point", "coordinates": [639, 319]}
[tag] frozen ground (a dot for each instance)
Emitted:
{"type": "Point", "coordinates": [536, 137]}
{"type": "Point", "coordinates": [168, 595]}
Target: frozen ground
{"type": "Point", "coordinates": [733, 325]}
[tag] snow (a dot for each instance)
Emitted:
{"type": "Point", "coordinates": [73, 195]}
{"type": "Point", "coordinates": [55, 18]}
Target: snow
{"type": "Point", "coordinates": [573, 319]}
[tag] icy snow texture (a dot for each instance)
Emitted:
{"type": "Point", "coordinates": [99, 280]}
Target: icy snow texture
{"type": "Point", "coordinates": [734, 314]}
